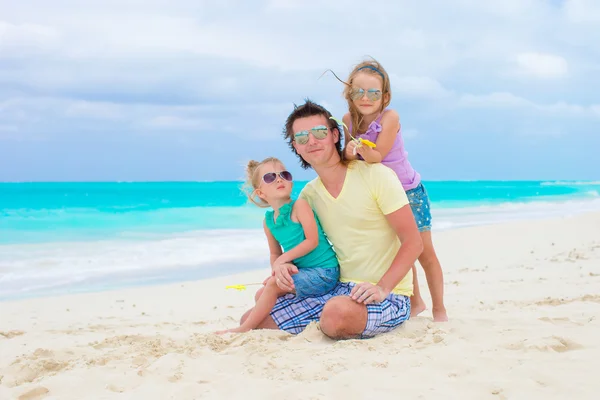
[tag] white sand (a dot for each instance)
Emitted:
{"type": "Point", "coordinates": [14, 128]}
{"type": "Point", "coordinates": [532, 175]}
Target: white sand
{"type": "Point", "coordinates": [523, 299]}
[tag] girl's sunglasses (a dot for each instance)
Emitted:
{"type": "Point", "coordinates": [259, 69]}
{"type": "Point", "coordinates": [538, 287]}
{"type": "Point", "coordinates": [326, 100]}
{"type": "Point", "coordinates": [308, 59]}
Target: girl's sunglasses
{"type": "Point", "coordinates": [271, 177]}
{"type": "Point", "coordinates": [319, 132]}
{"type": "Point", "coordinates": [372, 94]}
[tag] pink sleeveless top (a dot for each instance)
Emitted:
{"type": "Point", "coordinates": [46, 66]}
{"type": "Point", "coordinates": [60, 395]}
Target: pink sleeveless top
{"type": "Point", "coordinates": [397, 158]}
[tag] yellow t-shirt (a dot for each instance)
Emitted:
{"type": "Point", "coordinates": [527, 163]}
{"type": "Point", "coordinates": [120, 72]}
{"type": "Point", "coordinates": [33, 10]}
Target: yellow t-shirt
{"type": "Point", "coordinates": [355, 222]}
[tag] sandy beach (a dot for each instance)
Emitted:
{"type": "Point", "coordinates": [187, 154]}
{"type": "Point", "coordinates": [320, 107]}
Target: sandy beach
{"type": "Point", "coordinates": [523, 300]}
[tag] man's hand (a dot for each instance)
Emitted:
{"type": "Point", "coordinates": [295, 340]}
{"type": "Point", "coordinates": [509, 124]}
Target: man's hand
{"type": "Point", "coordinates": [283, 276]}
{"type": "Point", "coordinates": [367, 293]}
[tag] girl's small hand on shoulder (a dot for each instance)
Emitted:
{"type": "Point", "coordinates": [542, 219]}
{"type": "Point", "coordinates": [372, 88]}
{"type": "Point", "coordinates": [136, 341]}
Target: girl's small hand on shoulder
{"type": "Point", "coordinates": [351, 150]}
{"type": "Point", "coordinates": [369, 154]}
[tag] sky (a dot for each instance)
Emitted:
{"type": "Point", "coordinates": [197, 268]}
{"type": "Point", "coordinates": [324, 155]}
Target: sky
{"type": "Point", "coordinates": [157, 90]}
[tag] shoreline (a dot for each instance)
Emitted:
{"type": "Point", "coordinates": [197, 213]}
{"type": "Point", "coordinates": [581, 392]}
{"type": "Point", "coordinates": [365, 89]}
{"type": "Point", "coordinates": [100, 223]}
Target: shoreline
{"type": "Point", "coordinates": [523, 300]}
{"type": "Point", "coordinates": [227, 269]}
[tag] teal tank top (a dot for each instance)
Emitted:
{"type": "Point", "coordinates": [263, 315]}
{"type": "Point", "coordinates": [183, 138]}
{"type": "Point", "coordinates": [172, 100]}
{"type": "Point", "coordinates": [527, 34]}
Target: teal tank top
{"type": "Point", "coordinates": [290, 234]}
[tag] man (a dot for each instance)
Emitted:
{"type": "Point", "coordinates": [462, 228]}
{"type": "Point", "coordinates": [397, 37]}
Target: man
{"type": "Point", "coordinates": [365, 213]}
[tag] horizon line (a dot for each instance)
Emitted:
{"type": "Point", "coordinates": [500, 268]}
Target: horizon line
{"type": "Point", "coordinates": [307, 180]}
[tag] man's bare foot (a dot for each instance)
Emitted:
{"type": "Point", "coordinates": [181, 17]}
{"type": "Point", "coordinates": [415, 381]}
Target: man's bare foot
{"type": "Point", "coordinates": [439, 315]}
{"type": "Point", "coordinates": [417, 306]}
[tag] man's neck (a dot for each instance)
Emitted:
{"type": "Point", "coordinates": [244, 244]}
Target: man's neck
{"type": "Point", "coordinates": [332, 175]}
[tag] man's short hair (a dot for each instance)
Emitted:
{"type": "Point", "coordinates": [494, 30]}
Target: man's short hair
{"type": "Point", "coordinates": [309, 109]}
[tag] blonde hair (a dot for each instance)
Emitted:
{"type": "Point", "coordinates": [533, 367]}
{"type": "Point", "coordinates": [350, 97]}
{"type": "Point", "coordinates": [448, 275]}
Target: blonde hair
{"type": "Point", "coordinates": [372, 67]}
{"type": "Point", "coordinates": [253, 180]}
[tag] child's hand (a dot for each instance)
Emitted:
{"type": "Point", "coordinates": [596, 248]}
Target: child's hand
{"type": "Point", "coordinates": [277, 263]}
{"type": "Point", "coordinates": [283, 276]}
{"type": "Point", "coordinates": [367, 153]}
{"type": "Point", "coordinates": [350, 152]}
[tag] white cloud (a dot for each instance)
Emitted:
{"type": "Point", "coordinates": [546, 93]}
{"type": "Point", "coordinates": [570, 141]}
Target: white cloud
{"type": "Point", "coordinates": [493, 100]}
{"type": "Point", "coordinates": [410, 133]}
{"type": "Point", "coordinates": [26, 39]}
{"type": "Point", "coordinates": [582, 11]}
{"type": "Point", "coordinates": [417, 86]}
{"type": "Point", "coordinates": [545, 66]}
{"type": "Point", "coordinates": [509, 101]}
{"type": "Point", "coordinates": [142, 66]}
{"type": "Point", "coordinates": [8, 128]}
{"type": "Point", "coordinates": [93, 110]}
{"type": "Point", "coordinates": [176, 122]}
{"type": "Point", "coordinates": [9, 132]}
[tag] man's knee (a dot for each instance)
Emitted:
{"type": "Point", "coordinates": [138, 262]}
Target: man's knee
{"type": "Point", "coordinates": [343, 318]}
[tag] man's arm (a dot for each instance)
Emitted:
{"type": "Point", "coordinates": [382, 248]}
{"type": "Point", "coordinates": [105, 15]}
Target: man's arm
{"type": "Point", "coordinates": [392, 201]}
{"type": "Point", "coordinates": [403, 223]}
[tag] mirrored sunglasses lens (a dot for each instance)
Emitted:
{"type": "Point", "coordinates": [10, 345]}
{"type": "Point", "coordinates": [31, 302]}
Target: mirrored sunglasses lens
{"type": "Point", "coordinates": [320, 133]}
{"type": "Point", "coordinates": [374, 95]}
{"type": "Point", "coordinates": [301, 138]}
{"type": "Point", "coordinates": [356, 94]}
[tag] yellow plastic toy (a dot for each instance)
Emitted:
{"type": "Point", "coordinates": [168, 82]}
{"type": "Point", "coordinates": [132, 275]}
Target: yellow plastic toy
{"type": "Point", "coordinates": [359, 141]}
{"type": "Point", "coordinates": [368, 143]}
{"type": "Point", "coordinates": [241, 286]}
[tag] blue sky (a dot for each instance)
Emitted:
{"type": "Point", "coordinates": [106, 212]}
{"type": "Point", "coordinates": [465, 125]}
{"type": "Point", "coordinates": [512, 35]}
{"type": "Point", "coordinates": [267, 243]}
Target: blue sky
{"type": "Point", "coordinates": [191, 89]}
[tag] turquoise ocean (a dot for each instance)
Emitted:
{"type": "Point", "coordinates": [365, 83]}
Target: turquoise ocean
{"type": "Point", "coordinates": [58, 238]}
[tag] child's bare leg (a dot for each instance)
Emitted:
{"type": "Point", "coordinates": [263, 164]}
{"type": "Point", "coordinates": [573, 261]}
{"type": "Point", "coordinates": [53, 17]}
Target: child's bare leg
{"type": "Point", "coordinates": [261, 310]}
{"type": "Point", "coordinates": [435, 278]}
{"type": "Point", "coordinates": [258, 294]}
{"type": "Point", "coordinates": [417, 305]}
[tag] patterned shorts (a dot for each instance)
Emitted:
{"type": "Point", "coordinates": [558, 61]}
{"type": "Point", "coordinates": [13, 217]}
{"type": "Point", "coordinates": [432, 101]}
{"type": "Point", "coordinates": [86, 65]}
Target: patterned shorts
{"type": "Point", "coordinates": [421, 208]}
{"type": "Point", "coordinates": [292, 314]}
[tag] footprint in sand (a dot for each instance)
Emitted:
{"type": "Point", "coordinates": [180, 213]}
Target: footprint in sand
{"type": "Point", "coordinates": [560, 321]}
{"type": "Point", "coordinates": [31, 368]}
{"type": "Point", "coordinates": [551, 301]}
{"type": "Point", "coordinates": [554, 343]}
{"type": "Point", "coordinates": [11, 334]}
{"type": "Point", "coordinates": [34, 394]}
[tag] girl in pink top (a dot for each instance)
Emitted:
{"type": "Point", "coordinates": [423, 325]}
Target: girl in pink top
{"type": "Point", "coordinates": [368, 92]}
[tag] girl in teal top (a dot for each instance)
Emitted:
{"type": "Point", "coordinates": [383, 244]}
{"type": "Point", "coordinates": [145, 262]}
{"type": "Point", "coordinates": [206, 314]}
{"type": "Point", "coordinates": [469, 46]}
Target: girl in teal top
{"type": "Point", "coordinates": [294, 235]}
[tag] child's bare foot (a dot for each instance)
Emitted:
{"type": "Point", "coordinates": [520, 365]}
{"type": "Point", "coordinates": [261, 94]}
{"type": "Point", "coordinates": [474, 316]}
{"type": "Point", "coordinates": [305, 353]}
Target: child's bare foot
{"type": "Point", "coordinates": [439, 315]}
{"type": "Point", "coordinates": [239, 329]}
{"type": "Point", "coordinates": [417, 306]}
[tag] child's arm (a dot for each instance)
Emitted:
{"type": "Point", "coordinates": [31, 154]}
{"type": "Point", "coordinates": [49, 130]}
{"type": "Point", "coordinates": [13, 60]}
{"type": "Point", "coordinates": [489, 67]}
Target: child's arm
{"type": "Point", "coordinates": [390, 124]}
{"type": "Point", "coordinates": [305, 216]}
{"type": "Point", "coordinates": [274, 246]}
{"type": "Point", "coordinates": [348, 151]}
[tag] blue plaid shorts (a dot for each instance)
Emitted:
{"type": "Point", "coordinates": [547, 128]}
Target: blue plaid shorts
{"type": "Point", "coordinates": [420, 206]}
{"type": "Point", "coordinates": [293, 314]}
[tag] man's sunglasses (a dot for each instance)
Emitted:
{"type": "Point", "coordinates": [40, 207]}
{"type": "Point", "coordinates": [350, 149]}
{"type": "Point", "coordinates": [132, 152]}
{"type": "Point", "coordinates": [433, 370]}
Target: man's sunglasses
{"type": "Point", "coordinates": [271, 177]}
{"type": "Point", "coordinates": [372, 94]}
{"type": "Point", "coordinates": [319, 132]}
